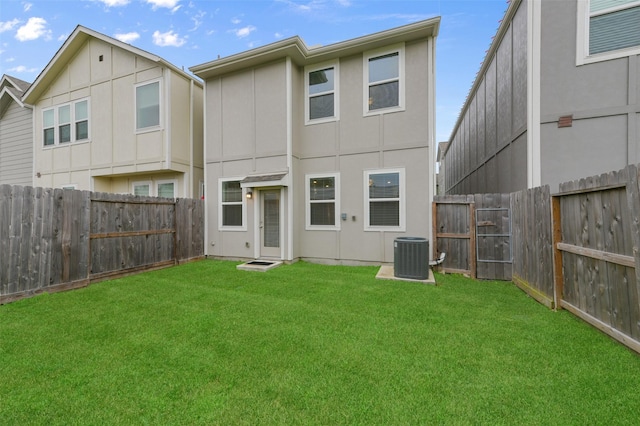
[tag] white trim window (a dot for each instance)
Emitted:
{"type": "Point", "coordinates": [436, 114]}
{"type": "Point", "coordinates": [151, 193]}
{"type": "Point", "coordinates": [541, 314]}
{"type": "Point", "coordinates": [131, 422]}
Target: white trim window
{"type": "Point", "coordinates": [323, 201]}
{"type": "Point", "coordinates": [384, 80]}
{"type": "Point", "coordinates": [166, 188]}
{"type": "Point", "coordinates": [66, 123]}
{"type": "Point", "coordinates": [142, 188]}
{"type": "Point", "coordinates": [148, 101]}
{"type": "Point", "coordinates": [322, 99]}
{"type": "Point", "coordinates": [384, 200]}
{"type": "Point", "coordinates": [231, 207]}
{"type": "Point", "coordinates": [607, 29]}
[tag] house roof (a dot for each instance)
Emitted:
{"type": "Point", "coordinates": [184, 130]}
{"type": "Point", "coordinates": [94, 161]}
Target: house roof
{"type": "Point", "coordinates": [11, 89]}
{"type": "Point", "coordinates": [297, 50]}
{"type": "Point", "coordinates": [70, 47]}
{"type": "Point", "coordinates": [442, 148]}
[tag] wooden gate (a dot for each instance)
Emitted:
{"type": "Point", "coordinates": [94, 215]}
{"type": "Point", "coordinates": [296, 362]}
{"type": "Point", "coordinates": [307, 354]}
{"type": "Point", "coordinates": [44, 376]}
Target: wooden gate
{"type": "Point", "coordinates": [475, 233]}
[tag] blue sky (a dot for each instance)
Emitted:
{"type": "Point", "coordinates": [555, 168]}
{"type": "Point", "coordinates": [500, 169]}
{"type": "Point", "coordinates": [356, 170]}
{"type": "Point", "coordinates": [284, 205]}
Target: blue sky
{"type": "Point", "coordinates": [191, 32]}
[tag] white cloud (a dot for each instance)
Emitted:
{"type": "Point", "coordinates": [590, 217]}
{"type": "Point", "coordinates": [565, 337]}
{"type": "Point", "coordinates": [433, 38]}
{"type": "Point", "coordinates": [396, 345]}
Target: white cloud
{"type": "Point", "coordinates": [243, 32]}
{"type": "Point", "coordinates": [167, 4]}
{"type": "Point", "coordinates": [115, 3]}
{"type": "Point", "coordinates": [22, 68]}
{"type": "Point", "coordinates": [278, 35]}
{"type": "Point", "coordinates": [197, 19]}
{"type": "Point", "coordinates": [8, 25]}
{"type": "Point", "coordinates": [27, 6]}
{"type": "Point", "coordinates": [63, 37]}
{"type": "Point", "coordinates": [235, 21]}
{"type": "Point", "coordinates": [33, 29]}
{"type": "Point", "coordinates": [9, 60]}
{"type": "Point", "coordinates": [168, 39]}
{"type": "Point", "coordinates": [127, 37]}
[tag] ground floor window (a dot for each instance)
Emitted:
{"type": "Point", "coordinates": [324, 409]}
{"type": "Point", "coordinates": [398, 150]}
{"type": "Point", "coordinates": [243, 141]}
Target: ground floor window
{"type": "Point", "coordinates": [232, 205]}
{"type": "Point", "coordinates": [323, 201]}
{"type": "Point", "coordinates": [384, 200]}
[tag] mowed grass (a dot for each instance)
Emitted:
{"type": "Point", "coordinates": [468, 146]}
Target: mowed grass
{"type": "Point", "coordinates": [204, 343]}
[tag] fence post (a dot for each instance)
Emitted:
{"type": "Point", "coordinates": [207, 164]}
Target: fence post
{"type": "Point", "coordinates": [472, 240]}
{"type": "Point", "coordinates": [633, 199]}
{"type": "Point", "coordinates": [558, 277]}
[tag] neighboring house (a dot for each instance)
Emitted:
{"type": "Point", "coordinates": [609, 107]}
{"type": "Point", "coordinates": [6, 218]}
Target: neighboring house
{"type": "Point", "coordinates": [110, 117]}
{"type": "Point", "coordinates": [556, 99]}
{"type": "Point", "coordinates": [440, 168]}
{"type": "Point", "coordinates": [322, 153]}
{"type": "Point", "coordinates": [16, 133]}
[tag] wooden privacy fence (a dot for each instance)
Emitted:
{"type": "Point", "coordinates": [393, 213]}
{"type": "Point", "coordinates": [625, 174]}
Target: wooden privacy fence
{"type": "Point", "coordinates": [596, 223]}
{"type": "Point", "coordinates": [577, 249]}
{"type": "Point", "coordinates": [475, 233]}
{"type": "Point", "coordinates": [54, 239]}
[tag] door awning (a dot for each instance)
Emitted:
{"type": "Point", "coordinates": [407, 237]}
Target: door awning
{"type": "Point", "coordinates": [264, 180]}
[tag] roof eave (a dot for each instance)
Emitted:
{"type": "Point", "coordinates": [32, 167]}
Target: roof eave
{"type": "Point", "coordinates": [297, 50]}
{"type": "Point", "coordinates": [69, 48]}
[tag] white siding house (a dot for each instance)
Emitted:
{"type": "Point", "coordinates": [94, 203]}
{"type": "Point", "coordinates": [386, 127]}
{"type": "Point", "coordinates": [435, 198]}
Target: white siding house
{"type": "Point", "coordinates": [322, 153]}
{"type": "Point", "coordinates": [111, 117]}
{"type": "Point", "coordinates": [16, 133]}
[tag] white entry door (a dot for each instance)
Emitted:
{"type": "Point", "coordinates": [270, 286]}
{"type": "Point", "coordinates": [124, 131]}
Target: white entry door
{"type": "Point", "coordinates": [270, 223]}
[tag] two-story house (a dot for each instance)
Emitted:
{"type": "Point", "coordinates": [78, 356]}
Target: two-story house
{"type": "Point", "coordinates": [111, 117]}
{"type": "Point", "coordinates": [321, 153]}
{"type": "Point", "coordinates": [556, 99]}
{"type": "Point", "coordinates": [16, 133]}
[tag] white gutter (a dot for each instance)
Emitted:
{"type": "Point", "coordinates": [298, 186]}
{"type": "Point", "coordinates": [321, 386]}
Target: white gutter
{"type": "Point", "coordinates": [204, 163]}
{"type": "Point", "coordinates": [291, 186]}
{"type": "Point", "coordinates": [534, 36]}
{"type": "Point", "coordinates": [190, 191]}
{"type": "Point", "coordinates": [167, 115]}
{"type": "Point", "coordinates": [431, 123]}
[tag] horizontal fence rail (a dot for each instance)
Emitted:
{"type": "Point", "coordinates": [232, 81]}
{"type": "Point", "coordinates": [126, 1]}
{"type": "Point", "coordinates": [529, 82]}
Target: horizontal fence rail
{"type": "Point", "coordinates": [577, 249]}
{"type": "Point", "coordinates": [54, 239]}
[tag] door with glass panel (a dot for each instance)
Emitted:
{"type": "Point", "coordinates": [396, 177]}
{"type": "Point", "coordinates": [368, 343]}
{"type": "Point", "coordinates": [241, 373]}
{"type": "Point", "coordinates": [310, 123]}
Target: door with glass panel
{"type": "Point", "coordinates": [270, 223]}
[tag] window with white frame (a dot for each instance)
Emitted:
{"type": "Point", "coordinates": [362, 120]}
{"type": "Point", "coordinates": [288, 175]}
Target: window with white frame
{"type": "Point", "coordinates": [321, 87]}
{"type": "Point", "coordinates": [231, 206]}
{"type": "Point", "coordinates": [608, 29]}
{"type": "Point", "coordinates": [323, 201]}
{"type": "Point", "coordinates": [167, 188]}
{"type": "Point", "coordinates": [66, 123]}
{"type": "Point", "coordinates": [384, 200]}
{"type": "Point", "coordinates": [142, 188]}
{"type": "Point", "coordinates": [148, 105]}
{"type": "Point", "coordinates": [384, 80]}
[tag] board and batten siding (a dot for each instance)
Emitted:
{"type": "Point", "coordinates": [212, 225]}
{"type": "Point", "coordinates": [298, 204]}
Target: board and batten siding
{"type": "Point", "coordinates": [16, 146]}
{"type": "Point", "coordinates": [488, 146]}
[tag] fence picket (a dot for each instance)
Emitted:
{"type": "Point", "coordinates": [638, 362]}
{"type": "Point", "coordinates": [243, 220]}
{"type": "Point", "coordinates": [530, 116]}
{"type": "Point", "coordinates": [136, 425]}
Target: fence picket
{"type": "Point", "coordinates": [54, 239]}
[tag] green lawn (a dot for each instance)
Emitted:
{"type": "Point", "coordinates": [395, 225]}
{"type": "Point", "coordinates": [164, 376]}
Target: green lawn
{"type": "Point", "coordinates": [204, 343]}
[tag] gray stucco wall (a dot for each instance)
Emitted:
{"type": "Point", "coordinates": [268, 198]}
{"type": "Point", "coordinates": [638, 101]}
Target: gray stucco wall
{"type": "Point", "coordinates": [486, 146]}
{"type": "Point", "coordinates": [16, 146]}
{"type": "Point", "coordinates": [602, 97]}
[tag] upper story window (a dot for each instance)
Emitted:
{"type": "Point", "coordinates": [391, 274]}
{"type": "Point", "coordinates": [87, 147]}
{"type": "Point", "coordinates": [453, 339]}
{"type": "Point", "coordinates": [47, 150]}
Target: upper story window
{"type": "Point", "coordinates": [323, 201]}
{"type": "Point", "coordinates": [384, 80]}
{"type": "Point", "coordinates": [607, 29]}
{"type": "Point", "coordinates": [148, 105]}
{"type": "Point", "coordinates": [231, 213]}
{"type": "Point", "coordinates": [384, 200]}
{"type": "Point", "coordinates": [66, 123]}
{"type": "Point", "coordinates": [321, 88]}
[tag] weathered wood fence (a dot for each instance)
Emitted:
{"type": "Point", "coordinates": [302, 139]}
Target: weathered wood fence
{"type": "Point", "coordinates": [475, 233]}
{"type": "Point", "coordinates": [54, 239]}
{"type": "Point", "coordinates": [577, 249]}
